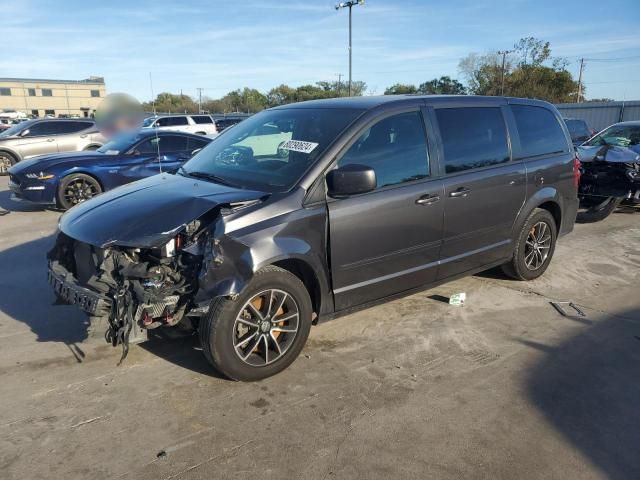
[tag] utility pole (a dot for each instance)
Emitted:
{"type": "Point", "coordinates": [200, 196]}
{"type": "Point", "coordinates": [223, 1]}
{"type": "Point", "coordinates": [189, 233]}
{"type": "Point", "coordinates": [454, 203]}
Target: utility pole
{"type": "Point", "coordinates": [350, 4]}
{"type": "Point", "coordinates": [199, 99]}
{"type": "Point", "coordinates": [339, 83]}
{"type": "Point", "coordinates": [504, 54]}
{"type": "Point", "coordinates": [580, 80]}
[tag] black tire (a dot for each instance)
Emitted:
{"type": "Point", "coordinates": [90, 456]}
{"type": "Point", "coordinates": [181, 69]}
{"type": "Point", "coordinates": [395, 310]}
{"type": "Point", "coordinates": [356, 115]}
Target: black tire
{"type": "Point", "coordinates": [68, 195]}
{"type": "Point", "coordinates": [7, 160]}
{"type": "Point", "coordinates": [598, 210]}
{"type": "Point", "coordinates": [518, 267]}
{"type": "Point", "coordinates": [218, 328]}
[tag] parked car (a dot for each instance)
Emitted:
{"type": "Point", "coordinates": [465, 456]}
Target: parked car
{"type": "Point", "coordinates": [222, 123]}
{"type": "Point", "coordinates": [198, 124]}
{"type": "Point", "coordinates": [373, 197]}
{"type": "Point", "coordinates": [579, 130]}
{"type": "Point", "coordinates": [67, 179]}
{"type": "Point", "coordinates": [5, 124]}
{"type": "Point", "coordinates": [610, 171]}
{"type": "Point", "coordinates": [42, 136]}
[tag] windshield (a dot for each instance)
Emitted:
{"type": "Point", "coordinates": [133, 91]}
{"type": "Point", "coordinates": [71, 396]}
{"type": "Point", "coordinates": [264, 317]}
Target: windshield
{"type": "Point", "coordinates": [15, 130]}
{"type": "Point", "coordinates": [617, 135]}
{"type": "Point", "coordinates": [120, 143]}
{"type": "Point", "coordinates": [148, 121]}
{"type": "Point", "coordinates": [271, 150]}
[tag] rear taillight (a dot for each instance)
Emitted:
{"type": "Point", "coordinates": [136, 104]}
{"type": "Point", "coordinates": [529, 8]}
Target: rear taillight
{"type": "Point", "coordinates": [576, 171]}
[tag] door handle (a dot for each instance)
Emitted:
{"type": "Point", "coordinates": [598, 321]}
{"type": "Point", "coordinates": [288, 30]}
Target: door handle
{"type": "Point", "coordinates": [428, 199]}
{"type": "Point", "coordinates": [460, 192]}
{"type": "Point", "coordinates": [51, 139]}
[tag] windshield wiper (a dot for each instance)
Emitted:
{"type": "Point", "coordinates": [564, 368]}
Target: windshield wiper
{"type": "Point", "coordinates": [211, 177]}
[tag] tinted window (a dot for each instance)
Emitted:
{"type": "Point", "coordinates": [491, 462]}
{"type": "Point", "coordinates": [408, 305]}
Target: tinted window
{"type": "Point", "coordinates": [32, 92]}
{"type": "Point", "coordinates": [202, 119]}
{"type": "Point", "coordinates": [472, 137]}
{"type": "Point", "coordinates": [168, 143]}
{"type": "Point", "coordinates": [43, 128]}
{"type": "Point", "coordinates": [395, 148]}
{"type": "Point", "coordinates": [578, 130]}
{"type": "Point", "coordinates": [172, 121]}
{"type": "Point", "coordinates": [5, 92]}
{"type": "Point", "coordinates": [95, 93]}
{"type": "Point", "coordinates": [195, 143]}
{"type": "Point", "coordinates": [539, 130]}
{"type": "Point", "coordinates": [46, 92]}
{"type": "Point", "coordinates": [72, 127]}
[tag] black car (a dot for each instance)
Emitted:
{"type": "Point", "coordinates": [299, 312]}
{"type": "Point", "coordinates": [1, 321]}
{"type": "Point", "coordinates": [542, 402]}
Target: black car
{"type": "Point", "coordinates": [360, 200]}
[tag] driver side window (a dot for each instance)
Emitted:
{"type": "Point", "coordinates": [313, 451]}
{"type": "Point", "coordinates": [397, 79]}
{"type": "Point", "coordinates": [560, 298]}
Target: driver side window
{"type": "Point", "coordinates": [395, 147]}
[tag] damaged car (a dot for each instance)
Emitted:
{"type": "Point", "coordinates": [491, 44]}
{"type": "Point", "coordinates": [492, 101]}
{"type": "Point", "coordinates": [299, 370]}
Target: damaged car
{"type": "Point", "coordinates": [610, 171]}
{"type": "Point", "coordinates": [360, 200]}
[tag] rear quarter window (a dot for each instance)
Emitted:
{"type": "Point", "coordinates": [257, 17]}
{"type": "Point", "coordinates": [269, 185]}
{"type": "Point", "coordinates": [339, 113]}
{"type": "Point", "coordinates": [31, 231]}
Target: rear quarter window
{"type": "Point", "coordinates": [539, 131]}
{"type": "Point", "coordinates": [201, 119]}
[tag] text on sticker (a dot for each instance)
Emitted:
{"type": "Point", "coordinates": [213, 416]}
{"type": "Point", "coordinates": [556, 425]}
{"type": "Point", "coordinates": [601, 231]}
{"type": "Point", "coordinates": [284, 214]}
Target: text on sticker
{"type": "Point", "coordinates": [299, 146]}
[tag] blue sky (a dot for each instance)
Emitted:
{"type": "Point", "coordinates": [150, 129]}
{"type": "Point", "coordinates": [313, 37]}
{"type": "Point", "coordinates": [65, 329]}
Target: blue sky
{"type": "Point", "coordinates": [223, 45]}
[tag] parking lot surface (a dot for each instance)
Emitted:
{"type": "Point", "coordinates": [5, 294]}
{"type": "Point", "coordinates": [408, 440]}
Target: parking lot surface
{"type": "Point", "coordinates": [504, 387]}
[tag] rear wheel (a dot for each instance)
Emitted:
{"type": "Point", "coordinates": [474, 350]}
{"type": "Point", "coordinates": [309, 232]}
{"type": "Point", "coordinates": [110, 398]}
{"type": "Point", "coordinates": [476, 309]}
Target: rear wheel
{"type": "Point", "coordinates": [594, 209]}
{"type": "Point", "coordinates": [6, 161]}
{"type": "Point", "coordinates": [261, 332]}
{"type": "Point", "coordinates": [534, 249]}
{"type": "Point", "coordinates": [75, 189]}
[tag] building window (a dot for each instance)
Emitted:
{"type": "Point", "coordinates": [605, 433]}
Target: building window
{"type": "Point", "coordinates": [5, 92]}
{"type": "Point", "coordinates": [50, 112]}
{"type": "Point", "coordinates": [95, 93]}
{"type": "Point", "coordinates": [46, 92]}
{"type": "Point", "coordinates": [35, 113]}
{"type": "Point", "coordinates": [32, 92]}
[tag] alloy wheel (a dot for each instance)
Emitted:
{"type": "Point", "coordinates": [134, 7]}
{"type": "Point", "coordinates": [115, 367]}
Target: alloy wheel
{"type": "Point", "coordinates": [266, 327]}
{"type": "Point", "coordinates": [79, 190]}
{"type": "Point", "coordinates": [5, 163]}
{"type": "Point", "coordinates": [537, 246]}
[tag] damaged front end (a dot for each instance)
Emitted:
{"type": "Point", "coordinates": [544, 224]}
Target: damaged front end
{"type": "Point", "coordinates": [135, 289]}
{"type": "Point", "coordinates": [609, 171]}
{"type": "Point", "coordinates": [134, 268]}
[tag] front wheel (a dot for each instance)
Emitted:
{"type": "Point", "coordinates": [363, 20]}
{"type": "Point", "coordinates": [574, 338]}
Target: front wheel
{"type": "Point", "coordinates": [595, 210]}
{"type": "Point", "coordinates": [75, 189]}
{"type": "Point", "coordinates": [7, 160]}
{"type": "Point", "coordinates": [534, 249]}
{"type": "Point", "coordinates": [262, 331]}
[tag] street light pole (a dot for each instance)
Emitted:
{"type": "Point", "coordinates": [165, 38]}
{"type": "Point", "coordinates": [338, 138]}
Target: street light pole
{"type": "Point", "coordinates": [504, 54]}
{"type": "Point", "coordinates": [349, 4]}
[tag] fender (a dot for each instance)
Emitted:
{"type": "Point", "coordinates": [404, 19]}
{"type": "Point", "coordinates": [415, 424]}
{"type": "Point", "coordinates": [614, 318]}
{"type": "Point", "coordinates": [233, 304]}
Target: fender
{"type": "Point", "coordinates": [547, 194]}
{"type": "Point", "coordinates": [12, 152]}
{"type": "Point", "coordinates": [234, 258]}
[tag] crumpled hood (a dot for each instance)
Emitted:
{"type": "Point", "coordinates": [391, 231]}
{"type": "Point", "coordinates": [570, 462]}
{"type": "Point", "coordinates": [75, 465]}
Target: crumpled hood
{"type": "Point", "coordinates": [147, 213]}
{"type": "Point", "coordinates": [607, 153]}
{"type": "Point", "coordinates": [43, 162]}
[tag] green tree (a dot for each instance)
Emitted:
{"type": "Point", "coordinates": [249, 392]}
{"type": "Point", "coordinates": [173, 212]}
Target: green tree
{"type": "Point", "coordinates": [400, 89]}
{"type": "Point", "coordinates": [171, 103]}
{"type": "Point", "coordinates": [442, 86]}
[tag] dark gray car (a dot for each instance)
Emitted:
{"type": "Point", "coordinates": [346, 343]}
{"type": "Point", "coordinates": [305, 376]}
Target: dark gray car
{"type": "Point", "coordinates": [361, 200]}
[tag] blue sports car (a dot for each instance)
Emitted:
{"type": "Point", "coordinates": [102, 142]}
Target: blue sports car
{"type": "Point", "coordinates": [66, 179]}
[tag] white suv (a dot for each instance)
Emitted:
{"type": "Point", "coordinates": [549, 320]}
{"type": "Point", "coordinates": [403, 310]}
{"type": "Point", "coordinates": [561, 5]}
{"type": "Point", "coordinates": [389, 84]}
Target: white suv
{"type": "Point", "coordinates": [198, 124]}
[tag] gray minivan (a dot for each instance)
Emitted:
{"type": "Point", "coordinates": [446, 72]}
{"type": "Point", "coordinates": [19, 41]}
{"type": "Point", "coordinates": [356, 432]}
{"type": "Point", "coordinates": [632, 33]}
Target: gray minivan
{"type": "Point", "coordinates": [362, 199]}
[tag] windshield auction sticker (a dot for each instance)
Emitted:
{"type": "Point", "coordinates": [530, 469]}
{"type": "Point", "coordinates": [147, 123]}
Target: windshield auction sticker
{"type": "Point", "coordinates": [299, 146]}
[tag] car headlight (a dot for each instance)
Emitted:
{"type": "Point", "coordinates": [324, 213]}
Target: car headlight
{"type": "Point", "coordinates": [40, 176]}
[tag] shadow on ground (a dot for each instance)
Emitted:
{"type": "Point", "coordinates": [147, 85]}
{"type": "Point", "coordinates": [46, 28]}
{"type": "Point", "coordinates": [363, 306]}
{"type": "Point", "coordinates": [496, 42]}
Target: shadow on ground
{"type": "Point", "coordinates": [588, 388]}
{"type": "Point", "coordinates": [8, 205]}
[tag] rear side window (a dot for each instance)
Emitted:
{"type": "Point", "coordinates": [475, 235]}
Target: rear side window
{"type": "Point", "coordinates": [72, 127]}
{"type": "Point", "coordinates": [539, 130]}
{"type": "Point", "coordinates": [195, 143]}
{"type": "Point", "coordinates": [472, 137]}
{"type": "Point", "coordinates": [395, 148]}
{"type": "Point", "coordinates": [173, 143]}
{"type": "Point", "coordinates": [44, 128]}
{"type": "Point", "coordinates": [172, 121]}
{"type": "Point", "coordinates": [200, 119]}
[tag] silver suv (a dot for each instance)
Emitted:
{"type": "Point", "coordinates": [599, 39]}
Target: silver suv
{"type": "Point", "coordinates": [46, 136]}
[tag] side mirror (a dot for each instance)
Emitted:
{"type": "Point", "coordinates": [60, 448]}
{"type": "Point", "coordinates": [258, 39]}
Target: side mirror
{"type": "Point", "coordinates": [351, 180]}
{"type": "Point", "coordinates": [195, 151]}
{"type": "Point", "coordinates": [24, 133]}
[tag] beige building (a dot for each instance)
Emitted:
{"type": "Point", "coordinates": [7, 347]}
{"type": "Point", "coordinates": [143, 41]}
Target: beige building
{"type": "Point", "coordinates": [40, 97]}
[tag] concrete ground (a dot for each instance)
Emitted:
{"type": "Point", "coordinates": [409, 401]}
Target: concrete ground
{"type": "Point", "coordinates": [502, 388]}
